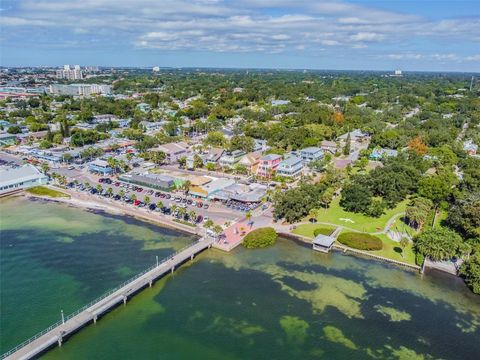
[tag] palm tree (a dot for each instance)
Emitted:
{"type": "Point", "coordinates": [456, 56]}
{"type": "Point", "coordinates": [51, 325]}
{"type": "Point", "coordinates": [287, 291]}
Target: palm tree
{"type": "Point", "coordinates": [192, 215]}
{"type": "Point", "coordinates": [186, 186]}
{"type": "Point", "coordinates": [146, 200]}
{"type": "Point", "coordinates": [217, 229]}
{"type": "Point", "coordinates": [159, 204]}
{"type": "Point", "coordinates": [173, 208]}
{"type": "Point", "coordinates": [248, 215]}
{"type": "Point", "coordinates": [99, 187]}
{"type": "Point", "coordinates": [208, 224]}
{"type": "Point", "coordinates": [112, 163]}
{"type": "Point", "coordinates": [403, 243]}
{"type": "Point", "coordinates": [87, 184]}
{"type": "Point", "coordinates": [133, 197]}
{"type": "Point", "coordinates": [129, 157]}
{"type": "Point", "coordinates": [122, 193]}
{"type": "Point", "coordinates": [45, 167]}
{"type": "Point", "coordinates": [313, 213]}
{"type": "Point", "coordinates": [110, 192]}
{"type": "Point", "coordinates": [182, 211]}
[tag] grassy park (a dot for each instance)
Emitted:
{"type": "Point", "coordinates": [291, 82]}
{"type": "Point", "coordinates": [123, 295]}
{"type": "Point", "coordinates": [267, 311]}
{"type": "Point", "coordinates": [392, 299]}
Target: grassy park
{"type": "Point", "coordinates": [391, 250]}
{"type": "Point", "coordinates": [336, 215]}
{"type": "Point", "coordinates": [308, 230]}
{"type": "Point", "coordinates": [44, 191]}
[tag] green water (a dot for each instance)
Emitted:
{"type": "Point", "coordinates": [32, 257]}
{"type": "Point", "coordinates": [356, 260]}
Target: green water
{"type": "Point", "coordinates": [285, 302]}
{"type": "Point", "coordinates": [55, 257]}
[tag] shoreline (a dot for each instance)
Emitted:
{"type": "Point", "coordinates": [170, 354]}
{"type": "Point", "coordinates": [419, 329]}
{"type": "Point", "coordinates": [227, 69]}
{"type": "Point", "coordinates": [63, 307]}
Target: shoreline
{"type": "Point", "coordinates": [100, 206]}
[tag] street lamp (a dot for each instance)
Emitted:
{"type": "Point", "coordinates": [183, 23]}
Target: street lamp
{"type": "Point", "coordinates": [157, 259]}
{"type": "Point", "coordinates": [63, 318]}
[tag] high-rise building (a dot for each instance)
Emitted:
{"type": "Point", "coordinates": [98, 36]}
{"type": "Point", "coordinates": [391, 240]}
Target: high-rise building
{"type": "Point", "coordinates": [156, 69]}
{"type": "Point", "coordinates": [398, 72]}
{"type": "Point", "coordinates": [80, 89]}
{"type": "Point", "coordinates": [69, 73]}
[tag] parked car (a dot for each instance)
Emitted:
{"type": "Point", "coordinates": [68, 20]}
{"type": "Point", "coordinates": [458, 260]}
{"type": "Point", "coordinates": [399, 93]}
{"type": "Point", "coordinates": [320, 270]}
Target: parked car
{"type": "Point", "coordinates": [152, 206]}
{"type": "Point", "coordinates": [199, 219]}
{"type": "Point", "coordinates": [205, 206]}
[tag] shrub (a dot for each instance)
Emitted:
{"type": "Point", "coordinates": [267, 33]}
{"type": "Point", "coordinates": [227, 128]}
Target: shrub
{"type": "Point", "coordinates": [322, 230]}
{"type": "Point", "coordinates": [419, 258]}
{"type": "Point", "coordinates": [360, 241]}
{"type": "Point", "coordinates": [260, 238]}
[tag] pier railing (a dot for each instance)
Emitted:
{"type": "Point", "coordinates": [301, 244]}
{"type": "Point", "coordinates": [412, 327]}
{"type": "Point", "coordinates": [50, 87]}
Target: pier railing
{"type": "Point", "coordinates": [93, 302]}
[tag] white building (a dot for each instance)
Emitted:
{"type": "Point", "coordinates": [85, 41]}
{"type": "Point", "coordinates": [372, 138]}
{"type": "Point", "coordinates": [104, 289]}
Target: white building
{"type": "Point", "coordinates": [80, 89]}
{"type": "Point", "coordinates": [69, 73]}
{"type": "Point", "coordinates": [156, 69]}
{"type": "Point", "coordinates": [21, 178]}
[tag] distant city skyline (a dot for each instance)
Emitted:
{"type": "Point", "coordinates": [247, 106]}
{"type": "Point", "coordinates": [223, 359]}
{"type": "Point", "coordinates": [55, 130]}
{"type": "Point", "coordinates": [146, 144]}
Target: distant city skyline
{"type": "Point", "coordinates": [336, 35]}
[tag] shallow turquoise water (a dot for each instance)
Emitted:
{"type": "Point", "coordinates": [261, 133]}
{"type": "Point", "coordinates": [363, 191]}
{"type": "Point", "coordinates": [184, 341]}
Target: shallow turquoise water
{"type": "Point", "coordinates": [54, 257]}
{"type": "Point", "coordinates": [285, 302]}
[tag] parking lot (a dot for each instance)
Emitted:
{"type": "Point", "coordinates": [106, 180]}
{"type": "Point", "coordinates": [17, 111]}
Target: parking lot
{"type": "Point", "coordinates": [175, 204]}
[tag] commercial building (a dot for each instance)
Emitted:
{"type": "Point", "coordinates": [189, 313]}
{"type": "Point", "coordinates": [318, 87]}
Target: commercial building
{"type": "Point", "coordinates": [80, 89]}
{"type": "Point", "coordinates": [20, 178]}
{"type": "Point", "coordinates": [208, 190]}
{"type": "Point", "coordinates": [154, 181]}
{"type": "Point", "coordinates": [100, 166]}
{"type": "Point", "coordinates": [69, 74]}
{"type": "Point", "coordinates": [173, 151]}
{"type": "Point", "coordinates": [7, 139]}
{"type": "Point", "coordinates": [290, 167]}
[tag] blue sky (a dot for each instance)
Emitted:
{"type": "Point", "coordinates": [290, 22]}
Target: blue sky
{"type": "Point", "coordinates": [426, 35]}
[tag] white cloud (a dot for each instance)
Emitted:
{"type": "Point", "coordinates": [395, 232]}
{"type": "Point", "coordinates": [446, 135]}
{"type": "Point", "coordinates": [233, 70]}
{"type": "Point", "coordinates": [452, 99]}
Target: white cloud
{"type": "Point", "coordinates": [269, 26]}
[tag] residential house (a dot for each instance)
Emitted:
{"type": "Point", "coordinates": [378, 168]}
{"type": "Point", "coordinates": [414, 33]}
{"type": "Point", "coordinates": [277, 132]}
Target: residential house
{"type": "Point", "coordinates": [268, 165]}
{"type": "Point", "coordinates": [470, 147]}
{"type": "Point", "coordinates": [152, 126]}
{"type": "Point", "coordinates": [143, 107]}
{"type": "Point", "coordinates": [105, 118]}
{"type": "Point", "coordinates": [381, 153]}
{"type": "Point", "coordinates": [173, 151]}
{"type": "Point", "coordinates": [229, 159]}
{"type": "Point", "coordinates": [213, 155]}
{"type": "Point", "coordinates": [358, 139]}
{"type": "Point", "coordinates": [290, 167]}
{"type": "Point", "coordinates": [250, 161]}
{"type": "Point", "coordinates": [280, 102]}
{"type": "Point", "coordinates": [329, 146]}
{"type": "Point", "coordinates": [311, 154]}
{"type": "Point", "coordinates": [260, 145]}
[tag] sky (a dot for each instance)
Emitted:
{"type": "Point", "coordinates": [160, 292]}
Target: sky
{"type": "Point", "coordinates": [421, 35]}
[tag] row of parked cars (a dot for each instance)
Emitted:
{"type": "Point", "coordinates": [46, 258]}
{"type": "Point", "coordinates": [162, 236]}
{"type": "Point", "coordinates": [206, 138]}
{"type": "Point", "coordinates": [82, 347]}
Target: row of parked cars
{"type": "Point", "coordinates": [138, 203]}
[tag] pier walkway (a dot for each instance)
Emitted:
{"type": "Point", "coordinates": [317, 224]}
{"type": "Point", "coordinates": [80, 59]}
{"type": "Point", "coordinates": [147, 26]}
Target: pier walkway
{"type": "Point", "coordinates": [55, 334]}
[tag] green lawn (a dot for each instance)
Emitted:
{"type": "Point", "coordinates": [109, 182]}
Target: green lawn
{"type": "Point", "coordinates": [388, 250]}
{"type": "Point", "coordinates": [358, 221]}
{"type": "Point", "coordinates": [44, 191]}
{"type": "Point", "coordinates": [308, 229]}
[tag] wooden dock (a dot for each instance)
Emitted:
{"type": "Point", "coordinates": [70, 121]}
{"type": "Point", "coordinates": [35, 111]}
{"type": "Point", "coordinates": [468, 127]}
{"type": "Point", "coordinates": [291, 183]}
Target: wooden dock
{"type": "Point", "coordinates": [58, 332]}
